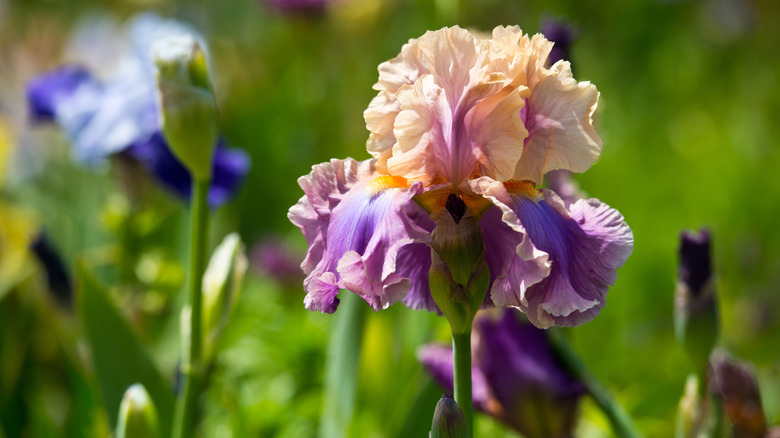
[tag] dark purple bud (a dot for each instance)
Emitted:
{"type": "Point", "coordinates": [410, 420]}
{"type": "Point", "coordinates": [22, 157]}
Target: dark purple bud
{"type": "Point", "coordinates": [736, 384]}
{"type": "Point", "coordinates": [695, 306]}
{"type": "Point", "coordinates": [57, 276]}
{"type": "Point", "coordinates": [562, 34]}
{"type": "Point", "coordinates": [695, 262]}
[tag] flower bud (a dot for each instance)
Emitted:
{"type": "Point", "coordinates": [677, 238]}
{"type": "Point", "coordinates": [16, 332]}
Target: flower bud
{"type": "Point", "coordinates": [221, 287]}
{"type": "Point", "coordinates": [186, 98]}
{"type": "Point", "coordinates": [459, 276]}
{"type": "Point", "coordinates": [137, 415]}
{"type": "Point", "coordinates": [736, 385]}
{"type": "Point", "coordinates": [696, 313]}
{"type": "Point", "coordinates": [448, 420]}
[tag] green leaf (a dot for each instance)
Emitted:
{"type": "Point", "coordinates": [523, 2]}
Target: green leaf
{"type": "Point", "coordinates": [118, 356]}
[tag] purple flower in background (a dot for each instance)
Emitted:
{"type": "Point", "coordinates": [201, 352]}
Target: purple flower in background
{"type": "Point", "coordinates": [120, 114]}
{"type": "Point", "coordinates": [516, 377]}
{"type": "Point", "coordinates": [562, 34]}
{"type": "Point", "coordinates": [274, 258]}
{"type": "Point", "coordinates": [301, 6]}
{"type": "Point", "coordinates": [478, 120]}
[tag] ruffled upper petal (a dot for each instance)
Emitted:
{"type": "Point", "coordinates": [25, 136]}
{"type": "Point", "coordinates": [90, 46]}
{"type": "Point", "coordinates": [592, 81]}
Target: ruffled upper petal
{"type": "Point", "coordinates": [454, 106]}
{"type": "Point", "coordinates": [356, 223]}
{"type": "Point", "coordinates": [559, 119]}
{"type": "Point", "coordinates": [585, 246]}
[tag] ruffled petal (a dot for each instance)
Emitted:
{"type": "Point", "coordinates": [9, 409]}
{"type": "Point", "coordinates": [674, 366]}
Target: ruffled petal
{"type": "Point", "coordinates": [414, 262]}
{"type": "Point", "coordinates": [559, 119]}
{"type": "Point", "coordinates": [356, 225]}
{"type": "Point", "coordinates": [229, 168]}
{"type": "Point", "coordinates": [585, 246]}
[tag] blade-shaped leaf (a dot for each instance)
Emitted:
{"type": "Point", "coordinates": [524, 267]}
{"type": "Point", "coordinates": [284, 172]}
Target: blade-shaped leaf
{"type": "Point", "coordinates": [118, 356]}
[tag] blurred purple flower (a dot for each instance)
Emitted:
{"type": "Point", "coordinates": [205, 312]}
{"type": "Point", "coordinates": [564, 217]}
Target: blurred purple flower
{"type": "Point", "coordinates": [301, 6]}
{"type": "Point", "coordinates": [274, 258]}
{"type": "Point", "coordinates": [562, 34]}
{"type": "Point", "coordinates": [516, 377]}
{"type": "Point", "coordinates": [120, 114]}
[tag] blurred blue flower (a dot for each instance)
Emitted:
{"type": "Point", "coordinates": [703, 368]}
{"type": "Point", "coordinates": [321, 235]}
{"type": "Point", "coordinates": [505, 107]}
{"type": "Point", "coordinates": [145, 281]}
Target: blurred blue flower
{"type": "Point", "coordinates": [562, 34]}
{"type": "Point", "coordinates": [120, 114]}
{"type": "Point", "coordinates": [301, 6]}
{"type": "Point", "coordinates": [516, 376]}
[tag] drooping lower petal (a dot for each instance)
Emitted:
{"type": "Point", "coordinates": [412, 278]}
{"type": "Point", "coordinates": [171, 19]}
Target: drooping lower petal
{"type": "Point", "coordinates": [585, 245]}
{"type": "Point", "coordinates": [228, 169]}
{"type": "Point", "coordinates": [356, 224]}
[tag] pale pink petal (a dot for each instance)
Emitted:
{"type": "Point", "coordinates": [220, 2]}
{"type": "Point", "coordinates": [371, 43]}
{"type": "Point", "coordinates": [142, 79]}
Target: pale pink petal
{"type": "Point", "coordinates": [559, 119]}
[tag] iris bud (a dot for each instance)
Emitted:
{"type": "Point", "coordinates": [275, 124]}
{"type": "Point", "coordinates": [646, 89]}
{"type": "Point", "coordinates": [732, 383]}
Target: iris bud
{"type": "Point", "coordinates": [186, 98]}
{"type": "Point", "coordinates": [448, 421]}
{"type": "Point", "coordinates": [221, 287]}
{"type": "Point", "coordinates": [696, 312]}
{"type": "Point", "coordinates": [459, 276]}
{"type": "Point", "coordinates": [137, 414]}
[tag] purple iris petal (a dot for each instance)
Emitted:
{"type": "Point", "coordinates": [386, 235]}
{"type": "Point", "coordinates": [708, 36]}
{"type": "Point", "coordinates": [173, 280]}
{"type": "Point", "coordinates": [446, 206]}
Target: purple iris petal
{"type": "Point", "coordinates": [229, 168]}
{"type": "Point", "coordinates": [585, 249]}
{"type": "Point", "coordinates": [355, 232]}
{"type": "Point", "coordinates": [47, 91]}
{"type": "Point", "coordinates": [414, 262]}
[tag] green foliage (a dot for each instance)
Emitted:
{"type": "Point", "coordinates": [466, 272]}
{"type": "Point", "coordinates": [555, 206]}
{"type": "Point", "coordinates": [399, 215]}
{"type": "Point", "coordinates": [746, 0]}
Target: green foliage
{"type": "Point", "coordinates": [119, 357]}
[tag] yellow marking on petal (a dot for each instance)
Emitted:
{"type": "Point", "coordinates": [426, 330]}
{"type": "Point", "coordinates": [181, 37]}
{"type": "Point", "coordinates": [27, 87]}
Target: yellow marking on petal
{"type": "Point", "coordinates": [382, 183]}
{"type": "Point", "coordinates": [525, 188]}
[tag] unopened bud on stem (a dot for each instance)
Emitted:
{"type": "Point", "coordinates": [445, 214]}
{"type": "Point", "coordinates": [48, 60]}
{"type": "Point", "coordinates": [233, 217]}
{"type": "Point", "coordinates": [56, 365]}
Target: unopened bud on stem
{"type": "Point", "coordinates": [189, 111]}
{"type": "Point", "coordinates": [448, 420]}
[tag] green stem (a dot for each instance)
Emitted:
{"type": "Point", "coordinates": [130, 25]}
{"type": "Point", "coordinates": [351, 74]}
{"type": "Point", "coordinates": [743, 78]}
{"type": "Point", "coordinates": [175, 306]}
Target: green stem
{"type": "Point", "coordinates": [461, 353]}
{"type": "Point", "coordinates": [341, 367]}
{"type": "Point", "coordinates": [192, 368]}
{"type": "Point", "coordinates": [621, 422]}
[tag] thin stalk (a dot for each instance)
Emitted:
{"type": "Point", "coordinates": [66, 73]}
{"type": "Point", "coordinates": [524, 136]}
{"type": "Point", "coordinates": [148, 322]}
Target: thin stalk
{"type": "Point", "coordinates": [621, 422]}
{"type": "Point", "coordinates": [192, 368]}
{"type": "Point", "coordinates": [461, 353]}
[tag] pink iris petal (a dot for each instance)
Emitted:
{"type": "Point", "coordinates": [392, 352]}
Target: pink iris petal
{"type": "Point", "coordinates": [585, 246]}
{"type": "Point", "coordinates": [355, 234]}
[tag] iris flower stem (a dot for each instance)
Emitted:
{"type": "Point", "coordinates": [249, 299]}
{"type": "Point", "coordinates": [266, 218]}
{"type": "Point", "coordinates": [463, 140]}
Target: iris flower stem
{"type": "Point", "coordinates": [461, 352]}
{"type": "Point", "coordinates": [192, 368]}
{"type": "Point", "coordinates": [621, 422]}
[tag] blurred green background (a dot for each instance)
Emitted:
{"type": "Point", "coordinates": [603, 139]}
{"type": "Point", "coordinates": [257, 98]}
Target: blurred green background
{"type": "Point", "coordinates": [689, 113]}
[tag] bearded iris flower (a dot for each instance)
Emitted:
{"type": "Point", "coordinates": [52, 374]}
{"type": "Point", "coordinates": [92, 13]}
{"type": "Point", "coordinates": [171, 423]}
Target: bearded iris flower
{"type": "Point", "coordinates": [120, 114]}
{"type": "Point", "coordinates": [473, 122]}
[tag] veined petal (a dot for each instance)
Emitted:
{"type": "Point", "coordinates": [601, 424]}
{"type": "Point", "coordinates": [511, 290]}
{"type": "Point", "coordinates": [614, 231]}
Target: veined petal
{"type": "Point", "coordinates": [559, 119]}
{"type": "Point", "coordinates": [585, 245]}
{"type": "Point", "coordinates": [356, 223]}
